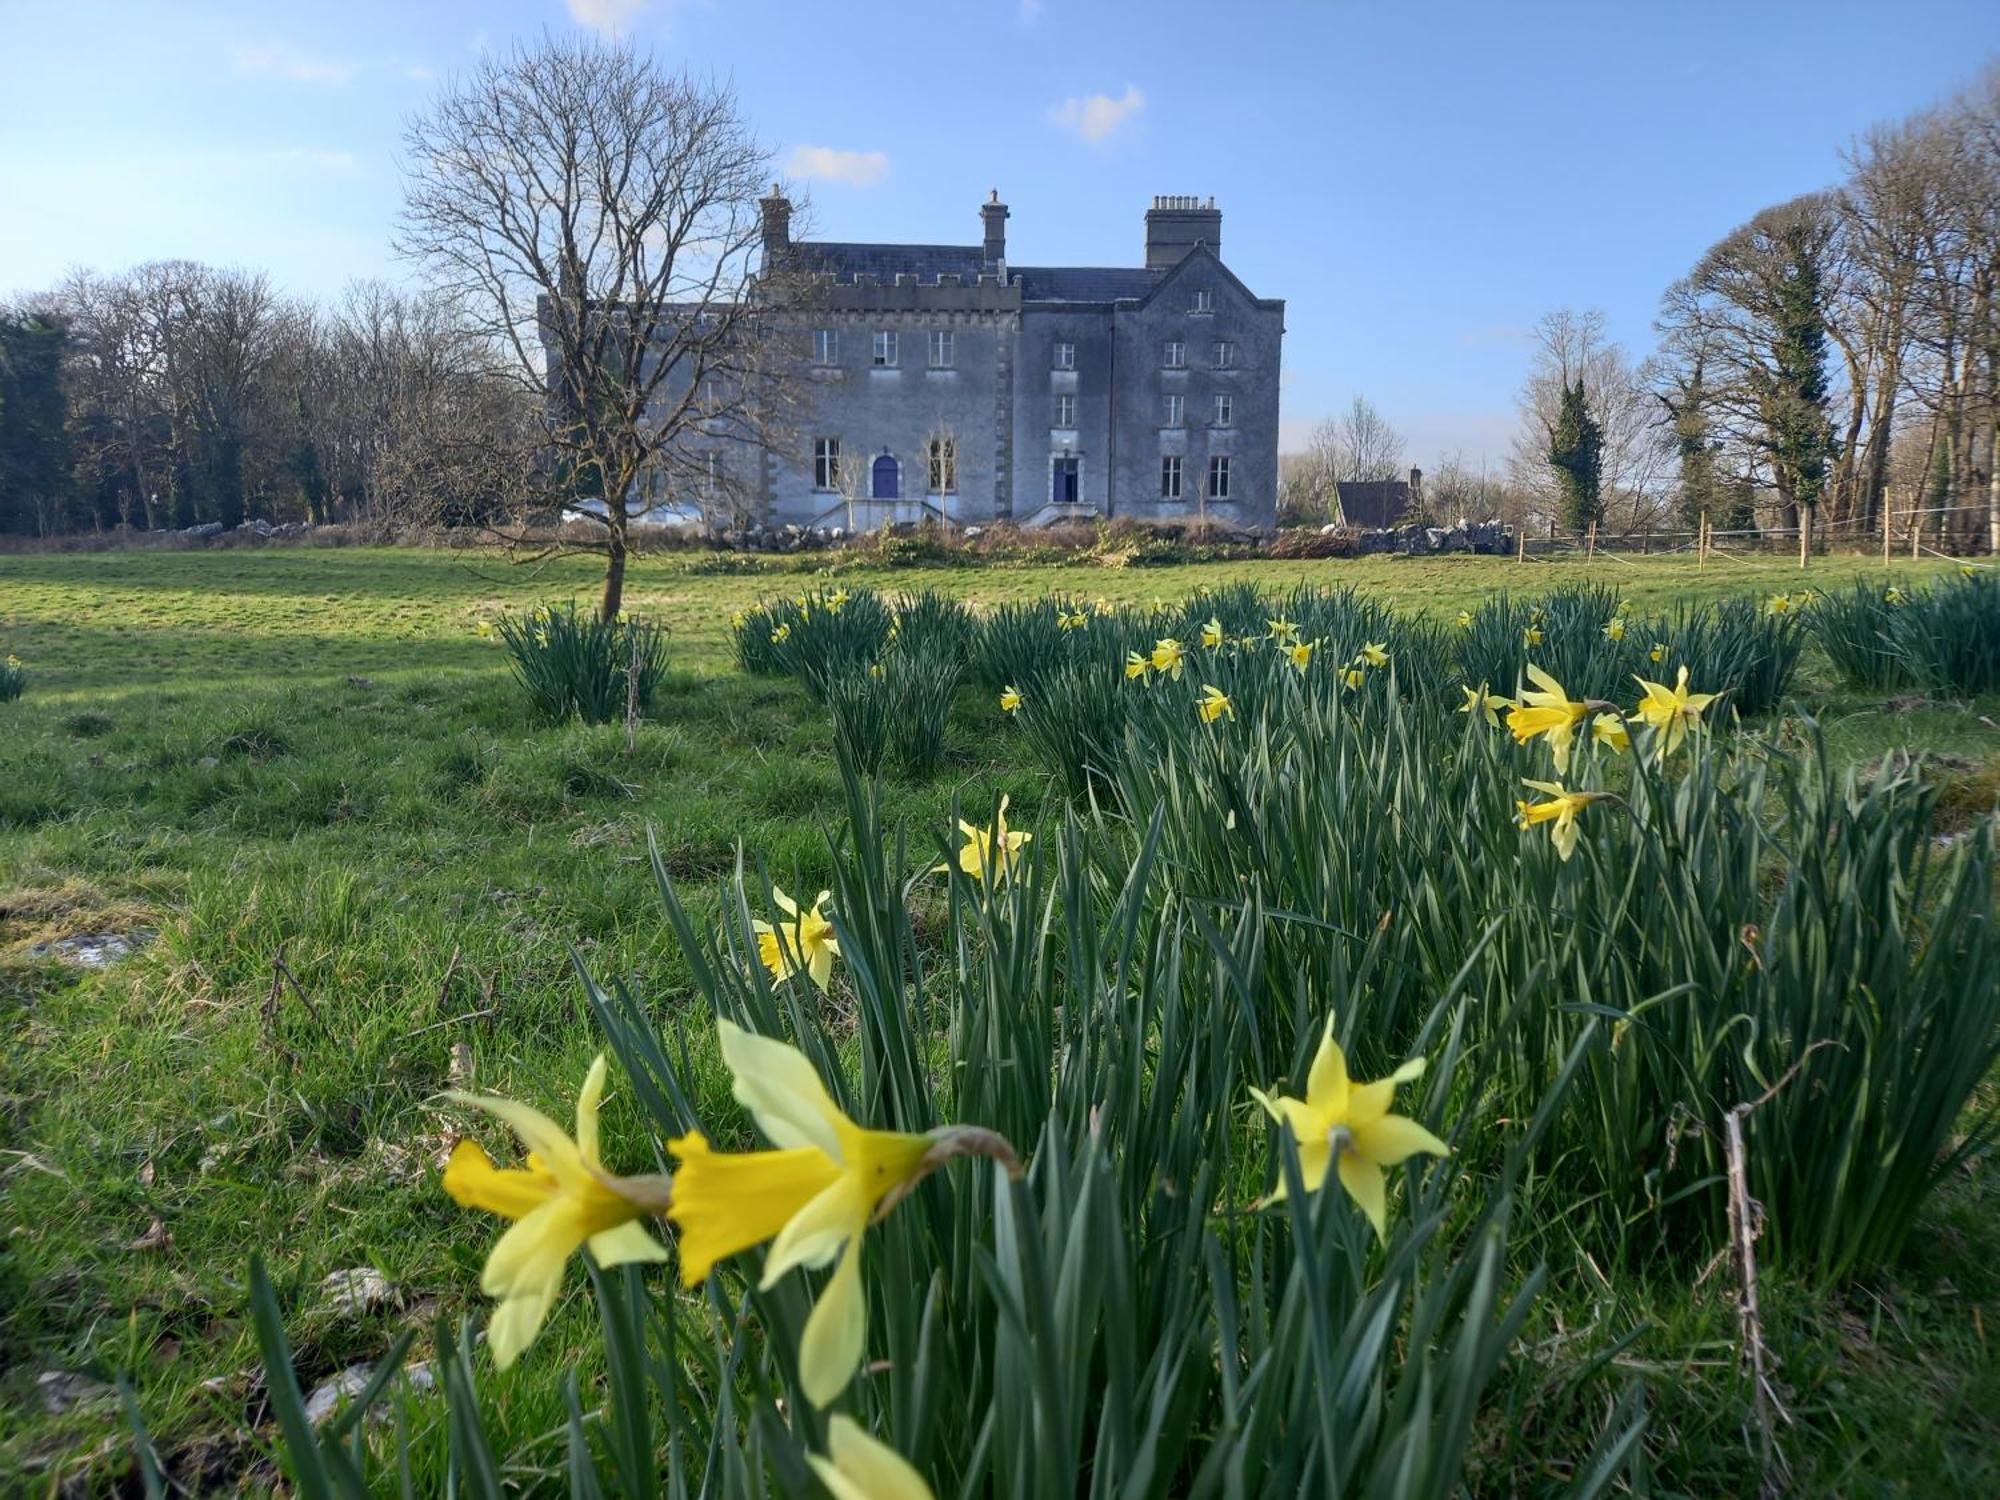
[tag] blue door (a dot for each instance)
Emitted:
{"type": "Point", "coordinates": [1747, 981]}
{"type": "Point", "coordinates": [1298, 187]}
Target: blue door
{"type": "Point", "coordinates": [884, 481]}
{"type": "Point", "coordinates": [1063, 490]}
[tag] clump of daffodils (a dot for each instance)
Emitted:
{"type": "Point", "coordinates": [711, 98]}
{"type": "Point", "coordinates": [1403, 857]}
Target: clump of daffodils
{"type": "Point", "coordinates": [1346, 1127]}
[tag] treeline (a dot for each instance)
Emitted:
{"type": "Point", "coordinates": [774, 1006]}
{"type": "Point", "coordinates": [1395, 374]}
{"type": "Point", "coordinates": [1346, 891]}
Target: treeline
{"type": "Point", "coordinates": [178, 393]}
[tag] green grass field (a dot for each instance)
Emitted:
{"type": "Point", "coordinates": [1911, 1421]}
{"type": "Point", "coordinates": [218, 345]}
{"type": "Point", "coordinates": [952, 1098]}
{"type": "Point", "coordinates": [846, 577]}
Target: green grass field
{"type": "Point", "coordinates": [308, 759]}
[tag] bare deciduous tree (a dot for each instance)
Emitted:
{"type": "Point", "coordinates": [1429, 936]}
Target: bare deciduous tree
{"type": "Point", "coordinates": [602, 216]}
{"type": "Point", "coordinates": [1572, 346]}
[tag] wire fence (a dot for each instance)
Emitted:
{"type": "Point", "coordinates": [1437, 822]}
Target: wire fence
{"type": "Point", "coordinates": [1900, 532]}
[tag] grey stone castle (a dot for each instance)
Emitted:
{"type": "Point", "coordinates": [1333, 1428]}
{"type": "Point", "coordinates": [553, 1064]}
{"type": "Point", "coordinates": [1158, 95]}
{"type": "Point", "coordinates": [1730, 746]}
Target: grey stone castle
{"type": "Point", "coordinates": [943, 381]}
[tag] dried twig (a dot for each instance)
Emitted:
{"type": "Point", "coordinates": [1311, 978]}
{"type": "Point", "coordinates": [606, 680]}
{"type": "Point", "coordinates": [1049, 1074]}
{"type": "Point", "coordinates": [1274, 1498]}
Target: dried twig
{"type": "Point", "coordinates": [471, 1015]}
{"type": "Point", "coordinates": [281, 974]}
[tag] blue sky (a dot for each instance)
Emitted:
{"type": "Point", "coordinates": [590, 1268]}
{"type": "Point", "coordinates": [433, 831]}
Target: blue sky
{"type": "Point", "coordinates": [1419, 181]}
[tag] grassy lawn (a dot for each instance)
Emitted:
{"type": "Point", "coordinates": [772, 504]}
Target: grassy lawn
{"type": "Point", "coordinates": [305, 763]}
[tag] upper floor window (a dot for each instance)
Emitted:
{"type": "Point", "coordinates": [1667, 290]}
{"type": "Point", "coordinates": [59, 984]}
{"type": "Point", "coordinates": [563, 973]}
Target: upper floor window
{"type": "Point", "coordinates": [1176, 410]}
{"type": "Point", "coordinates": [826, 346]}
{"type": "Point", "coordinates": [1204, 302]}
{"type": "Point", "coordinates": [1065, 411]}
{"type": "Point", "coordinates": [1176, 358]}
{"type": "Point", "coordinates": [943, 349]}
{"type": "Point", "coordinates": [885, 349]}
{"type": "Point", "coordinates": [1065, 356]}
{"type": "Point", "coordinates": [1225, 409]}
{"type": "Point", "coordinates": [826, 463]}
{"type": "Point", "coordinates": [1170, 477]}
{"type": "Point", "coordinates": [1218, 478]}
{"type": "Point", "coordinates": [1225, 355]}
{"type": "Point", "coordinates": [944, 466]}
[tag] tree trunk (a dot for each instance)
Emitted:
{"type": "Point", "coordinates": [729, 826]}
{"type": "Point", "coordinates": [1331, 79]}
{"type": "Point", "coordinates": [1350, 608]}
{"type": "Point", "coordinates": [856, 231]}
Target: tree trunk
{"type": "Point", "coordinates": [614, 573]}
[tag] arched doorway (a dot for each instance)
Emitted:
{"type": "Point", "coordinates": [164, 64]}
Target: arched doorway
{"type": "Point", "coordinates": [885, 479]}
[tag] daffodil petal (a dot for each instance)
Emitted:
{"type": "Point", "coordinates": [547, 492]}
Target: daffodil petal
{"type": "Point", "coordinates": [835, 1333]}
{"type": "Point", "coordinates": [1363, 1181]}
{"type": "Point", "coordinates": [538, 1133]}
{"type": "Point", "coordinates": [873, 1469]}
{"type": "Point", "coordinates": [780, 1089]}
{"type": "Point", "coordinates": [1393, 1139]}
{"type": "Point", "coordinates": [1326, 1084]}
{"type": "Point", "coordinates": [475, 1182]}
{"type": "Point", "coordinates": [625, 1244]}
{"type": "Point", "coordinates": [586, 1108]}
{"type": "Point", "coordinates": [814, 1235]}
{"type": "Point", "coordinates": [520, 1316]}
{"type": "Point", "coordinates": [535, 1248]}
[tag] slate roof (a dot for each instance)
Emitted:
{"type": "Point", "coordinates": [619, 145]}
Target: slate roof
{"type": "Point", "coordinates": [844, 260]}
{"type": "Point", "coordinates": [1373, 502]}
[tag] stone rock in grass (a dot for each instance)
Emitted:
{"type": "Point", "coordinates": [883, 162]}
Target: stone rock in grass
{"type": "Point", "coordinates": [93, 950]}
{"type": "Point", "coordinates": [63, 1390]}
{"type": "Point", "coordinates": [328, 1396]}
{"type": "Point", "coordinates": [356, 1290]}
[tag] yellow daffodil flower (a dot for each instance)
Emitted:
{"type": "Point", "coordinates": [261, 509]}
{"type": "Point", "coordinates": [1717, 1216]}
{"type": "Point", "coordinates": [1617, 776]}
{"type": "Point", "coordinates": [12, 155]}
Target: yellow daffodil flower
{"type": "Point", "coordinates": [738, 620]}
{"type": "Point", "coordinates": [563, 1200]}
{"type": "Point", "coordinates": [1214, 704]}
{"type": "Point", "coordinates": [895, 626]}
{"type": "Point", "coordinates": [1347, 1126]}
{"type": "Point", "coordinates": [1614, 628]}
{"type": "Point", "coordinates": [805, 942]}
{"type": "Point", "coordinates": [1300, 653]}
{"type": "Point", "coordinates": [1671, 711]}
{"type": "Point", "coordinates": [1167, 657]}
{"type": "Point", "coordinates": [1658, 653]}
{"type": "Point", "coordinates": [1010, 699]}
{"type": "Point", "coordinates": [782, 634]}
{"type": "Point", "coordinates": [860, 1467]}
{"type": "Point", "coordinates": [1211, 634]}
{"type": "Point", "coordinates": [875, 671]}
{"type": "Point", "coordinates": [1374, 654]}
{"type": "Point", "coordinates": [815, 1193]}
{"type": "Point", "coordinates": [1609, 729]}
{"type": "Point", "coordinates": [836, 601]}
{"type": "Point", "coordinates": [1532, 636]}
{"type": "Point", "coordinates": [1479, 701]}
{"type": "Point", "coordinates": [1549, 711]}
{"type": "Point", "coordinates": [1283, 631]}
{"type": "Point", "coordinates": [993, 851]}
{"type": "Point", "coordinates": [1780, 604]}
{"type": "Point", "coordinates": [1561, 810]}
{"type": "Point", "coordinates": [487, 631]}
{"type": "Point", "coordinates": [1895, 596]}
{"type": "Point", "coordinates": [1354, 677]}
{"type": "Point", "coordinates": [1465, 619]}
{"type": "Point", "coordinates": [1136, 666]}
{"type": "Point", "coordinates": [1072, 619]}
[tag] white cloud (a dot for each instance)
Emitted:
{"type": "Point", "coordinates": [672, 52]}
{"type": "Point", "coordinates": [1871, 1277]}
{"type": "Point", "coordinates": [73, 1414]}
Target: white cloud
{"type": "Point", "coordinates": [609, 17]}
{"type": "Point", "coordinates": [1095, 118]}
{"type": "Point", "coordinates": [279, 61]}
{"type": "Point", "coordinates": [827, 164]}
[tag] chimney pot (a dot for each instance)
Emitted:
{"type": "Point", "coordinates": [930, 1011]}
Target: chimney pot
{"type": "Point", "coordinates": [993, 220]}
{"type": "Point", "coordinates": [1175, 224]}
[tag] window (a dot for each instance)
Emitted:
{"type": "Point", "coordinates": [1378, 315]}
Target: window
{"type": "Point", "coordinates": [826, 346]}
{"type": "Point", "coordinates": [1170, 477]}
{"type": "Point", "coordinates": [1065, 411]}
{"type": "Point", "coordinates": [1225, 355]}
{"type": "Point", "coordinates": [944, 466]}
{"type": "Point", "coordinates": [942, 349]}
{"type": "Point", "coordinates": [1218, 478]}
{"type": "Point", "coordinates": [1175, 410]}
{"type": "Point", "coordinates": [826, 463]}
{"type": "Point", "coordinates": [885, 349]}
{"type": "Point", "coordinates": [1176, 355]}
{"type": "Point", "coordinates": [1225, 409]}
{"type": "Point", "coordinates": [1204, 302]}
{"type": "Point", "coordinates": [1065, 356]}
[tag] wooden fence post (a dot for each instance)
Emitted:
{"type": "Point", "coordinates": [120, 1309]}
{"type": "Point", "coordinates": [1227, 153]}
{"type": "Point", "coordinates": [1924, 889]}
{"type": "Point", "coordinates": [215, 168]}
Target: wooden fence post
{"type": "Point", "coordinates": [1916, 535]}
{"type": "Point", "coordinates": [1885, 531]}
{"type": "Point", "coordinates": [1590, 544]}
{"type": "Point", "coordinates": [1702, 541]}
{"type": "Point", "coordinates": [1521, 544]}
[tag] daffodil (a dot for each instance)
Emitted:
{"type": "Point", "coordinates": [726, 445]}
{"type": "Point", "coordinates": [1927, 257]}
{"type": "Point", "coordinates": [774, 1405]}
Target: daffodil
{"type": "Point", "coordinates": [1300, 653]}
{"type": "Point", "coordinates": [1211, 634]}
{"type": "Point", "coordinates": [1547, 711]}
{"type": "Point", "coordinates": [561, 1201]}
{"type": "Point", "coordinates": [738, 620]}
{"type": "Point", "coordinates": [1779, 604]}
{"type": "Point", "coordinates": [1167, 657]}
{"type": "Point", "coordinates": [1010, 699]}
{"type": "Point", "coordinates": [1609, 729]}
{"type": "Point", "coordinates": [875, 671]}
{"type": "Point", "coordinates": [1895, 596]}
{"type": "Point", "coordinates": [624, 617]}
{"type": "Point", "coordinates": [860, 1467]}
{"type": "Point", "coordinates": [813, 1195]}
{"type": "Point", "coordinates": [1465, 619]}
{"type": "Point", "coordinates": [989, 851]}
{"type": "Point", "coordinates": [1561, 810]}
{"type": "Point", "coordinates": [1347, 1126]}
{"type": "Point", "coordinates": [805, 942]}
{"type": "Point", "coordinates": [1072, 619]}
{"type": "Point", "coordinates": [1532, 636]}
{"type": "Point", "coordinates": [1374, 654]}
{"type": "Point", "coordinates": [1479, 701]}
{"type": "Point", "coordinates": [1283, 631]}
{"type": "Point", "coordinates": [1614, 628]}
{"type": "Point", "coordinates": [782, 634]}
{"type": "Point", "coordinates": [1354, 677]}
{"type": "Point", "coordinates": [1671, 711]}
{"type": "Point", "coordinates": [487, 632]}
{"type": "Point", "coordinates": [1136, 666]}
{"type": "Point", "coordinates": [1658, 653]}
{"type": "Point", "coordinates": [836, 601]}
{"type": "Point", "coordinates": [1214, 704]}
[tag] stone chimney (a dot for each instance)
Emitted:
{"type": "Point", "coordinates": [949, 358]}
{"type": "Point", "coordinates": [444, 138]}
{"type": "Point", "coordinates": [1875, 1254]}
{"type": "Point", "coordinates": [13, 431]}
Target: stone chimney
{"type": "Point", "coordinates": [777, 224]}
{"type": "Point", "coordinates": [1175, 224]}
{"type": "Point", "coordinates": [1416, 489]}
{"type": "Point", "coordinates": [993, 216]}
